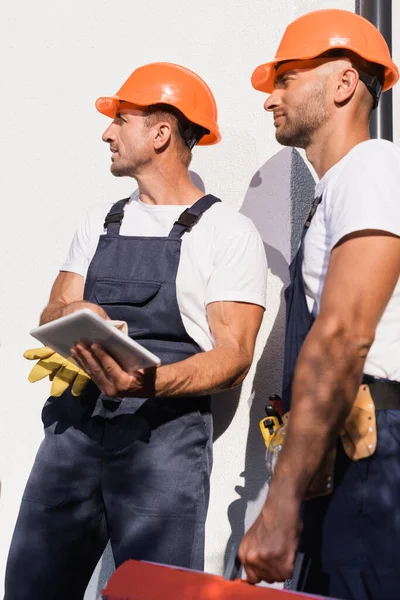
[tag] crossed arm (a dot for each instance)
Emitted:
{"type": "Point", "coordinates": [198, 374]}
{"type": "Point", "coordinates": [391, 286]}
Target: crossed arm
{"type": "Point", "coordinates": [234, 327]}
{"type": "Point", "coordinates": [363, 271]}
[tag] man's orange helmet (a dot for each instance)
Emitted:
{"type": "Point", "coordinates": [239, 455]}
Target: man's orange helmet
{"type": "Point", "coordinates": [321, 31]}
{"type": "Point", "coordinates": [172, 85]}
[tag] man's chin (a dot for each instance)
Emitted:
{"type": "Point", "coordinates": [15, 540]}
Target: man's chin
{"type": "Point", "coordinates": [284, 139]}
{"type": "Point", "coordinates": [118, 171]}
{"type": "Point", "coordinates": [294, 141]}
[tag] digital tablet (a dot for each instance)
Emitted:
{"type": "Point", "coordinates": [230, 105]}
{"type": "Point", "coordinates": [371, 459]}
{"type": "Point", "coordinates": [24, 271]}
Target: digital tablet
{"type": "Point", "coordinates": [86, 326]}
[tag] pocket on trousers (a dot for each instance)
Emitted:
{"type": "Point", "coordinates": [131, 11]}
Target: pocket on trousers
{"type": "Point", "coordinates": [171, 472]}
{"type": "Point", "coordinates": [47, 483]}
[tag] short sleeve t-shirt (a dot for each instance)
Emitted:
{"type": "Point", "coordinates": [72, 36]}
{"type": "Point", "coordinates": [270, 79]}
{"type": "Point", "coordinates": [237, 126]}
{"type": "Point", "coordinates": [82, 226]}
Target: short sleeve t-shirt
{"type": "Point", "coordinates": [361, 191]}
{"type": "Point", "coordinates": [222, 257]}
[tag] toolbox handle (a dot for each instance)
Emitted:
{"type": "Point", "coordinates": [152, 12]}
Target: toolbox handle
{"type": "Point", "coordinates": [301, 569]}
{"type": "Point", "coordinates": [233, 564]}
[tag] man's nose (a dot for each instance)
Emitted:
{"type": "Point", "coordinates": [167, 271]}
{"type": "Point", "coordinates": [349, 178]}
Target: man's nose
{"type": "Point", "coordinates": [272, 102]}
{"type": "Point", "coordinates": [108, 136]}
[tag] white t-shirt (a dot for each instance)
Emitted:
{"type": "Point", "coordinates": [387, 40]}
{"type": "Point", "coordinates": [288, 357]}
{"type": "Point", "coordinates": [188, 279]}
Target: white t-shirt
{"type": "Point", "coordinates": [222, 257]}
{"type": "Point", "coordinates": [361, 191]}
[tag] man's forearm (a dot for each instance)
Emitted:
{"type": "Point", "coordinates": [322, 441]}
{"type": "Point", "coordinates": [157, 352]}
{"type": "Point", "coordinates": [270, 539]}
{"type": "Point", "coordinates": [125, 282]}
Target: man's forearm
{"type": "Point", "coordinates": [328, 373]}
{"type": "Point", "coordinates": [207, 372]}
{"type": "Point", "coordinates": [53, 310]}
{"type": "Point", "coordinates": [234, 327]}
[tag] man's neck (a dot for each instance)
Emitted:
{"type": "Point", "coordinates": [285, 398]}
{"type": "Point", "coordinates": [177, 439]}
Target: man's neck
{"type": "Point", "coordinates": [331, 144]}
{"type": "Point", "coordinates": [163, 186]}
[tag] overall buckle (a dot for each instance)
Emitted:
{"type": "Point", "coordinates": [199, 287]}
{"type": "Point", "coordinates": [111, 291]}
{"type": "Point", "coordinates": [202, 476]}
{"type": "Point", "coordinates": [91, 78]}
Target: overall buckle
{"type": "Point", "coordinates": [113, 218]}
{"type": "Point", "coordinates": [187, 219]}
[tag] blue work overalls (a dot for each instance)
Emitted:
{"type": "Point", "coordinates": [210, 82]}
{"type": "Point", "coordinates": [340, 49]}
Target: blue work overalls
{"type": "Point", "coordinates": [352, 537]}
{"type": "Point", "coordinates": [130, 470]}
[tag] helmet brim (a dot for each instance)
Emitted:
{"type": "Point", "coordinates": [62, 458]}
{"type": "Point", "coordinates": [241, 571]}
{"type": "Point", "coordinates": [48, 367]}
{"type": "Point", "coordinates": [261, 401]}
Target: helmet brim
{"type": "Point", "coordinates": [263, 76]}
{"type": "Point", "coordinates": [108, 105]}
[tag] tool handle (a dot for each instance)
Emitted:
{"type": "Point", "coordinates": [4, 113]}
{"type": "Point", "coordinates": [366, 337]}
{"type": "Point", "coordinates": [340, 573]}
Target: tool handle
{"type": "Point", "coordinates": [300, 572]}
{"type": "Point", "coordinates": [233, 564]}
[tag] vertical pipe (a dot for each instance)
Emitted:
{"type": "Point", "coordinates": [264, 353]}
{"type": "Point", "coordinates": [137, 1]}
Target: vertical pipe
{"type": "Point", "coordinates": [379, 12]}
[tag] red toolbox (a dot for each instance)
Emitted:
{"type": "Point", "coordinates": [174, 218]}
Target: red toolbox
{"type": "Point", "coordinates": [136, 580]}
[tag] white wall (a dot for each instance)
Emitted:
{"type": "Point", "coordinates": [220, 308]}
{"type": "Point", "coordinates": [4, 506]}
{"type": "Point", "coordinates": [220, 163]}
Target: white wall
{"type": "Point", "coordinates": [57, 58]}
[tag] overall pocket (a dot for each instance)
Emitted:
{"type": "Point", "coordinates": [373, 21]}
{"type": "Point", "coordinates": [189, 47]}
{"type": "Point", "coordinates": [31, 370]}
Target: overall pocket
{"type": "Point", "coordinates": [125, 292]}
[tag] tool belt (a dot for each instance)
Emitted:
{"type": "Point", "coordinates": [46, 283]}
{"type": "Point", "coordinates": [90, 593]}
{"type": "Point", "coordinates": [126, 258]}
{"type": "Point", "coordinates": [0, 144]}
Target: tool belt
{"type": "Point", "coordinates": [359, 432]}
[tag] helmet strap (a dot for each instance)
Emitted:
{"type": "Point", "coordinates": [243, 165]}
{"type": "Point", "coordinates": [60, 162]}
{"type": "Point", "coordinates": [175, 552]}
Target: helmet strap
{"type": "Point", "coordinates": [192, 133]}
{"type": "Point", "coordinates": [373, 85]}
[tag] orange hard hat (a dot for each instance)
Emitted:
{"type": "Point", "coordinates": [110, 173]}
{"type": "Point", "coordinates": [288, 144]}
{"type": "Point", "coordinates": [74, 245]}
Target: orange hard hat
{"type": "Point", "coordinates": [176, 86]}
{"type": "Point", "coordinates": [326, 30]}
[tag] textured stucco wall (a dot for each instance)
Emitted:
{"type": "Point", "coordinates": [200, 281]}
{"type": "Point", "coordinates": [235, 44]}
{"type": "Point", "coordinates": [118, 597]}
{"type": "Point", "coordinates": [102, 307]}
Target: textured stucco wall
{"type": "Point", "coordinates": [56, 59]}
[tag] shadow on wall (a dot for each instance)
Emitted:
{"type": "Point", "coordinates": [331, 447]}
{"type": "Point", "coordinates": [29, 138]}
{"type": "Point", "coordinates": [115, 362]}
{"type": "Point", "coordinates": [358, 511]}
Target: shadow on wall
{"type": "Point", "coordinates": [223, 406]}
{"type": "Point", "coordinates": [277, 201]}
{"type": "Point", "coordinates": [197, 181]}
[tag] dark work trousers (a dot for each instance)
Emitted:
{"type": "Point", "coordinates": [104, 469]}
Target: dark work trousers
{"type": "Point", "coordinates": [132, 471]}
{"type": "Point", "coordinates": [352, 537]}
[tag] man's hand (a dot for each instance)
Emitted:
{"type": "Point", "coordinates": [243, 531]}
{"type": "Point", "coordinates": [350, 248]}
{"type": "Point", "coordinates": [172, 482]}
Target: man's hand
{"type": "Point", "coordinates": [268, 549]}
{"type": "Point", "coordinates": [109, 377]}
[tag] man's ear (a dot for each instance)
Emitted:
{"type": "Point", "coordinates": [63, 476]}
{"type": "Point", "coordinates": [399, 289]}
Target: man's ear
{"type": "Point", "coordinates": [163, 134]}
{"type": "Point", "coordinates": [346, 85]}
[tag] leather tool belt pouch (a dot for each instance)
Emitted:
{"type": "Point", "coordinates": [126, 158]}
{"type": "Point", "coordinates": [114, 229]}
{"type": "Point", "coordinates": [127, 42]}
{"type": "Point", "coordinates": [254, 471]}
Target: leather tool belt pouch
{"type": "Point", "coordinates": [359, 439]}
{"type": "Point", "coordinates": [322, 484]}
{"type": "Point", "coordinates": [358, 434]}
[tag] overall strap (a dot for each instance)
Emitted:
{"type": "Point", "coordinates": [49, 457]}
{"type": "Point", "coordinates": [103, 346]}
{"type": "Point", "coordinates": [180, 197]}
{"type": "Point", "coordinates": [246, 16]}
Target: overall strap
{"type": "Point", "coordinates": [191, 216]}
{"type": "Point", "coordinates": [313, 210]}
{"type": "Point", "coordinates": [114, 218]}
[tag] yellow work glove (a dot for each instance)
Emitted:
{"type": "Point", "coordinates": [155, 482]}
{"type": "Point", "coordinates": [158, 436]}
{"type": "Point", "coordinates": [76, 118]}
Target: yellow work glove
{"type": "Point", "coordinates": [58, 369]}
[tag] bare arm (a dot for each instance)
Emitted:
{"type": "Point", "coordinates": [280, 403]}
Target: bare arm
{"type": "Point", "coordinates": [234, 326]}
{"type": "Point", "coordinates": [66, 296]}
{"type": "Point", "coordinates": [363, 271]}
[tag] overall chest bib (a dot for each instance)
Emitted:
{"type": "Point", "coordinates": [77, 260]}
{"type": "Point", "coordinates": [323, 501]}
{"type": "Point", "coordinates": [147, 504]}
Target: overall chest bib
{"type": "Point", "coordinates": [134, 279]}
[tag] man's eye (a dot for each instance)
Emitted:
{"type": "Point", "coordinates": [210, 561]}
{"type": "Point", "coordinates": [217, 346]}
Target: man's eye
{"type": "Point", "coordinates": [288, 79]}
{"type": "Point", "coordinates": [283, 80]}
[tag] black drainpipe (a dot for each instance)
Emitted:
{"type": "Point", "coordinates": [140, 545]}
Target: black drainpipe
{"type": "Point", "coordinates": [379, 12]}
